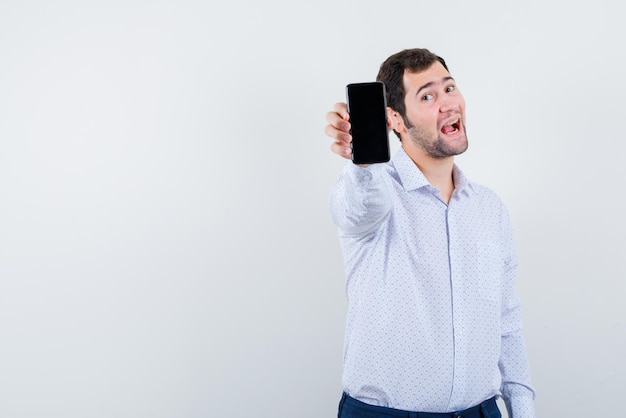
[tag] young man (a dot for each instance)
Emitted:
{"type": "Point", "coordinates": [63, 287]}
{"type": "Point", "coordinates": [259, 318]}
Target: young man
{"type": "Point", "coordinates": [434, 326]}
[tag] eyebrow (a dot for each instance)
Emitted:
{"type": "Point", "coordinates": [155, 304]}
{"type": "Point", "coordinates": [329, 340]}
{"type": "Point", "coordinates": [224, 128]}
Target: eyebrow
{"type": "Point", "coordinates": [431, 83]}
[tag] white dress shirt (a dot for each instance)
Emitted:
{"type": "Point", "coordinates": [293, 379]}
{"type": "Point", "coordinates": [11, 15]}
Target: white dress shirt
{"type": "Point", "coordinates": [433, 320]}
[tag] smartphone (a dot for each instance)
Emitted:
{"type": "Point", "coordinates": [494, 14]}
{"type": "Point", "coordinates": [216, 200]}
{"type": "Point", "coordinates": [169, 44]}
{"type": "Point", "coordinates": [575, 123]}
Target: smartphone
{"type": "Point", "coordinates": [367, 105]}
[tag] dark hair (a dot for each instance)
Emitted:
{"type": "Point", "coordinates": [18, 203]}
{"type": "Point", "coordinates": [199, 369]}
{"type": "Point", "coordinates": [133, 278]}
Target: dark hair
{"type": "Point", "coordinates": [391, 73]}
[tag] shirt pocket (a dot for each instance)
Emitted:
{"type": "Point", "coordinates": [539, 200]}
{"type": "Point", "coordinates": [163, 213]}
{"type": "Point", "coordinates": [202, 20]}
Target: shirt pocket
{"type": "Point", "coordinates": [489, 270]}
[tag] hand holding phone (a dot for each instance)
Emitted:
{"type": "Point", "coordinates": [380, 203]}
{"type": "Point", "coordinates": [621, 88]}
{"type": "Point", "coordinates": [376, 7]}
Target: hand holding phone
{"type": "Point", "coordinates": [367, 106]}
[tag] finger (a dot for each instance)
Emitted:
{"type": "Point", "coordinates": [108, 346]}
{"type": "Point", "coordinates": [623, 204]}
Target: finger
{"type": "Point", "coordinates": [337, 134]}
{"type": "Point", "coordinates": [341, 149]}
{"type": "Point", "coordinates": [335, 120]}
{"type": "Point", "coordinates": [341, 109]}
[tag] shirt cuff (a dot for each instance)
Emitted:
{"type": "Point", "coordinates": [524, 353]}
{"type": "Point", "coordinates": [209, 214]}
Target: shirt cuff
{"type": "Point", "coordinates": [362, 175]}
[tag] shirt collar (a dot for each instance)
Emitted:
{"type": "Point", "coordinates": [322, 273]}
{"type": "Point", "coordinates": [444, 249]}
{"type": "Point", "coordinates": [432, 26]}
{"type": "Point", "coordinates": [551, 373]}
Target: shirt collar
{"type": "Point", "coordinates": [461, 182]}
{"type": "Point", "coordinates": [412, 177]}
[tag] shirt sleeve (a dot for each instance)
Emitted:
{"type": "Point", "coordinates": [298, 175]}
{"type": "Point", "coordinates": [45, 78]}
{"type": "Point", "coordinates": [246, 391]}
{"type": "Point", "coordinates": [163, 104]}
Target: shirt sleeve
{"type": "Point", "coordinates": [359, 199]}
{"type": "Point", "coordinates": [517, 390]}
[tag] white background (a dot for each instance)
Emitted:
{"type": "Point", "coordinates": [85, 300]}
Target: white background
{"type": "Point", "coordinates": [165, 243]}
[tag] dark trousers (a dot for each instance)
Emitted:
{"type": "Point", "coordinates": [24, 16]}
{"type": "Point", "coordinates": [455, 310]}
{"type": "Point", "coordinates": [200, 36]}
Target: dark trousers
{"type": "Point", "coordinates": [352, 408]}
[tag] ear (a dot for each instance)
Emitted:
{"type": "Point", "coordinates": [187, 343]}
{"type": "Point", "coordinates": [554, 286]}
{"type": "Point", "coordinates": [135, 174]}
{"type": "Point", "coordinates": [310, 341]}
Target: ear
{"type": "Point", "coordinates": [395, 121]}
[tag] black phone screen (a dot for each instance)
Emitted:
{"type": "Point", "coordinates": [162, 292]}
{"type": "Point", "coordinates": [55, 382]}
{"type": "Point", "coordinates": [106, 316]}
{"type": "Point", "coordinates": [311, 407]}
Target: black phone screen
{"type": "Point", "coordinates": [367, 105]}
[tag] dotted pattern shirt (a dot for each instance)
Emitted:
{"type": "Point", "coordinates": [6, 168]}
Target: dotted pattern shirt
{"type": "Point", "coordinates": [433, 321]}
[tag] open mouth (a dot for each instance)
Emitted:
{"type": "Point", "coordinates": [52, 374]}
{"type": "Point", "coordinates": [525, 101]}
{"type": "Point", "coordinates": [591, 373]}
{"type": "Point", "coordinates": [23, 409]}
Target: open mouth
{"type": "Point", "coordinates": [452, 127]}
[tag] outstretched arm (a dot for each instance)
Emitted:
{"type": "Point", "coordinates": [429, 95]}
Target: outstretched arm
{"type": "Point", "coordinates": [359, 199]}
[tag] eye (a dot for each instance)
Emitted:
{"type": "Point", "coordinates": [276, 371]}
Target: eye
{"type": "Point", "coordinates": [427, 97]}
{"type": "Point", "coordinates": [450, 89]}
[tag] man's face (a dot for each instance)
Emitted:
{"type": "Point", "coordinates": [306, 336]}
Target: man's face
{"type": "Point", "coordinates": [435, 112]}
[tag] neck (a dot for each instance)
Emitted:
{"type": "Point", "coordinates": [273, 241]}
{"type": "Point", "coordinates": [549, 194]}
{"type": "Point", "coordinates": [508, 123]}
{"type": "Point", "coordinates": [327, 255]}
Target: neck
{"type": "Point", "coordinates": [438, 171]}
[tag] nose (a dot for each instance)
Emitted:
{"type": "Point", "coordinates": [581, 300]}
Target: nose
{"type": "Point", "coordinates": [447, 104]}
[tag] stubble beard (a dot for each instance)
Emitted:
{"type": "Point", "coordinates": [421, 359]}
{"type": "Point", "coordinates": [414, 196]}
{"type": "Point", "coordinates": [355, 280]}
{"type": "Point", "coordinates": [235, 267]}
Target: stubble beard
{"type": "Point", "coordinates": [437, 147]}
